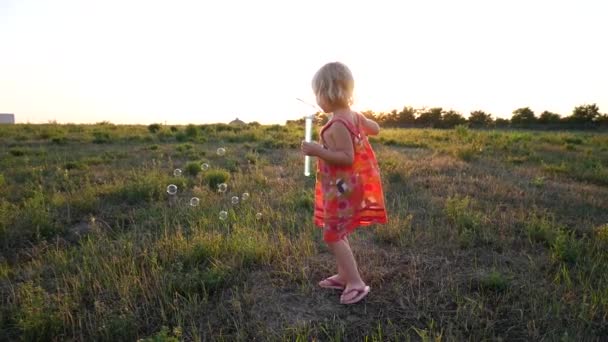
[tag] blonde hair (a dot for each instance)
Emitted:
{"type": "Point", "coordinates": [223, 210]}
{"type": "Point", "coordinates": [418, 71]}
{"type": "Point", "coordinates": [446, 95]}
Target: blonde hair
{"type": "Point", "coordinates": [335, 82]}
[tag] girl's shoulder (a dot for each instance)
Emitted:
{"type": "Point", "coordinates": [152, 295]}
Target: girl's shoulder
{"type": "Point", "coordinates": [351, 124]}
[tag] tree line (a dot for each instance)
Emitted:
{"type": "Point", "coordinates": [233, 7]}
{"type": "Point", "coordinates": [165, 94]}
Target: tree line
{"type": "Point", "coordinates": [586, 116]}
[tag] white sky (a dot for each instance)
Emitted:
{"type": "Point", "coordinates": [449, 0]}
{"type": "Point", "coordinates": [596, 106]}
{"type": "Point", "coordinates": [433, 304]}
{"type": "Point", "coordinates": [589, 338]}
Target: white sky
{"type": "Point", "coordinates": [131, 61]}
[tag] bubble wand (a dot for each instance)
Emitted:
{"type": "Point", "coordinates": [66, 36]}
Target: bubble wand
{"type": "Point", "coordinates": [307, 135]}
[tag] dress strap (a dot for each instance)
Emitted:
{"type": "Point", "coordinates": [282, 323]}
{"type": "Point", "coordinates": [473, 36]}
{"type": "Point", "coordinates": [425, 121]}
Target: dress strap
{"type": "Point", "coordinates": [355, 132]}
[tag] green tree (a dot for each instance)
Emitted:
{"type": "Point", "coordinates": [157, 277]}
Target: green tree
{"type": "Point", "coordinates": [479, 118]}
{"type": "Point", "coordinates": [430, 117]}
{"type": "Point", "coordinates": [500, 122]}
{"type": "Point", "coordinates": [407, 116]}
{"type": "Point", "coordinates": [602, 120]}
{"type": "Point", "coordinates": [523, 116]}
{"type": "Point", "coordinates": [584, 114]}
{"type": "Point", "coordinates": [547, 117]}
{"type": "Point", "coordinates": [451, 119]}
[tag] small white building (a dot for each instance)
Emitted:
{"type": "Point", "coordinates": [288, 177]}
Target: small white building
{"type": "Point", "coordinates": [7, 118]}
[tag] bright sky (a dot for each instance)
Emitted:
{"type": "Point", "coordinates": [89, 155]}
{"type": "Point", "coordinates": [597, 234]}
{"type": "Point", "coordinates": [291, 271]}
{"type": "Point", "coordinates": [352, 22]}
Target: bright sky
{"type": "Point", "coordinates": [131, 61]}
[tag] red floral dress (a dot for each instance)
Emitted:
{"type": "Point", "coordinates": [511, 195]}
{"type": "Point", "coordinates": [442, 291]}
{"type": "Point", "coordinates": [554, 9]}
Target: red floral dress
{"type": "Point", "coordinates": [347, 197]}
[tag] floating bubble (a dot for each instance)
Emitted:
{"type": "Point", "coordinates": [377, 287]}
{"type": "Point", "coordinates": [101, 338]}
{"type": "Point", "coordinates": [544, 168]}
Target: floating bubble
{"type": "Point", "coordinates": [194, 201]}
{"type": "Point", "coordinates": [172, 189]}
{"type": "Point", "coordinates": [258, 216]}
{"type": "Point", "coordinates": [223, 215]}
{"type": "Point", "coordinates": [204, 166]}
{"type": "Point", "coordinates": [235, 199]}
{"type": "Point", "coordinates": [177, 172]}
{"type": "Point", "coordinates": [245, 196]}
{"type": "Point", "coordinates": [221, 151]}
{"type": "Point", "coordinates": [222, 187]}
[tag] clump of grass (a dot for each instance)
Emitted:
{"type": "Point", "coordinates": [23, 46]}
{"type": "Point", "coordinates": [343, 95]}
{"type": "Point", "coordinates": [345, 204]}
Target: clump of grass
{"type": "Point", "coordinates": [517, 160]}
{"type": "Point", "coordinates": [573, 140]}
{"type": "Point", "coordinates": [540, 229]}
{"type": "Point", "coordinates": [538, 181]}
{"type": "Point", "coordinates": [555, 168]}
{"type": "Point", "coordinates": [37, 318]}
{"type": "Point", "coordinates": [59, 140]}
{"type": "Point", "coordinates": [193, 168]}
{"type": "Point", "coordinates": [466, 153]}
{"type": "Point", "coordinates": [75, 165]}
{"type": "Point", "coordinates": [396, 231]}
{"type": "Point", "coordinates": [101, 137]}
{"type": "Point", "coordinates": [252, 157]}
{"type": "Point", "coordinates": [462, 131]}
{"type": "Point", "coordinates": [601, 234]}
{"type": "Point", "coordinates": [216, 177]}
{"type": "Point", "coordinates": [566, 247]}
{"type": "Point", "coordinates": [142, 188]}
{"type": "Point", "coordinates": [494, 281]}
{"type": "Point", "coordinates": [17, 152]}
{"type": "Point", "coordinates": [164, 335]}
{"type": "Point", "coordinates": [469, 223]}
{"type": "Point", "coordinates": [184, 147]}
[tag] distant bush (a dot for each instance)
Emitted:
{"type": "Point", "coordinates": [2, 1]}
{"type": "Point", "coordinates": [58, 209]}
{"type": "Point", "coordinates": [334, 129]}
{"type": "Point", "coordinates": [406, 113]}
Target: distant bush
{"type": "Point", "coordinates": [191, 131]}
{"type": "Point", "coordinates": [100, 137]}
{"type": "Point", "coordinates": [153, 128]}
{"type": "Point", "coordinates": [59, 140]}
{"type": "Point", "coordinates": [181, 137]}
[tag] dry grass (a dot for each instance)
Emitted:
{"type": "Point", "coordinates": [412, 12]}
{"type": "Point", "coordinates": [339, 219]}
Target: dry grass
{"type": "Point", "coordinates": [491, 236]}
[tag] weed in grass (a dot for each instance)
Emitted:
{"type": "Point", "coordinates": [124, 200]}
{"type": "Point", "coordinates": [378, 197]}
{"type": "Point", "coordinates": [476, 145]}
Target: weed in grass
{"type": "Point", "coordinates": [541, 229]}
{"type": "Point", "coordinates": [494, 281]}
{"type": "Point", "coordinates": [470, 224]}
{"type": "Point", "coordinates": [17, 152]}
{"type": "Point", "coordinates": [538, 181]}
{"type": "Point", "coordinates": [216, 177]}
{"type": "Point", "coordinates": [396, 231]}
{"type": "Point", "coordinates": [601, 234]}
{"type": "Point", "coordinates": [193, 168]}
{"type": "Point", "coordinates": [566, 247]}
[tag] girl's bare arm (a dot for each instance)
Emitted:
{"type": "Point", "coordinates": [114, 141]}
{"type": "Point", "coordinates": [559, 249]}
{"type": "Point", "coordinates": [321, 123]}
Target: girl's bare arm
{"type": "Point", "coordinates": [340, 146]}
{"type": "Point", "coordinates": [370, 126]}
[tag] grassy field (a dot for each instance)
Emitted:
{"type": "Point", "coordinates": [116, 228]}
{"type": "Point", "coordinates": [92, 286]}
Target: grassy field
{"type": "Point", "coordinates": [492, 235]}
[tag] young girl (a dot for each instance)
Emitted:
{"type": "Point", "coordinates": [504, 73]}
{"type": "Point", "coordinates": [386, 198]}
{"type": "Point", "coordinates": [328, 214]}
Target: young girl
{"type": "Point", "coordinates": [348, 191]}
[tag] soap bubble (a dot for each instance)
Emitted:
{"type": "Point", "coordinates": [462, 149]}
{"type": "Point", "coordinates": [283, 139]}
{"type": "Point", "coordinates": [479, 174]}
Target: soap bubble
{"type": "Point", "coordinates": [177, 172]}
{"type": "Point", "coordinates": [223, 215]}
{"type": "Point", "coordinates": [222, 187]}
{"type": "Point", "coordinates": [245, 196]}
{"type": "Point", "coordinates": [204, 166]}
{"type": "Point", "coordinates": [258, 216]}
{"type": "Point", "coordinates": [172, 189]}
{"type": "Point", "coordinates": [221, 151]}
{"type": "Point", "coordinates": [235, 199]}
{"type": "Point", "coordinates": [194, 201]}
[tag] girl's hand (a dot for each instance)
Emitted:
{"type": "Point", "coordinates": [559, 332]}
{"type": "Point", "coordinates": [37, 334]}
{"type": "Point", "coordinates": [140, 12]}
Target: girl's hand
{"type": "Point", "coordinates": [312, 149]}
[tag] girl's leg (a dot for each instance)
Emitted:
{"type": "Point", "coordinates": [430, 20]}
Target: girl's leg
{"type": "Point", "coordinates": [346, 260]}
{"type": "Point", "coordinates": [340, 276]}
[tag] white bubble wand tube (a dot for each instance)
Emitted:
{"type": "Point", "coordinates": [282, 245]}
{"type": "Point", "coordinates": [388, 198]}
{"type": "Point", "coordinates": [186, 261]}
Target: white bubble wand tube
{"type": "Point", "coordinates": [307, 138]}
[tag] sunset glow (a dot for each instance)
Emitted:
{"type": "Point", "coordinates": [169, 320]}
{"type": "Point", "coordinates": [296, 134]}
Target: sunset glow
{"type": "Point", "coordinates": [199, 61]}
